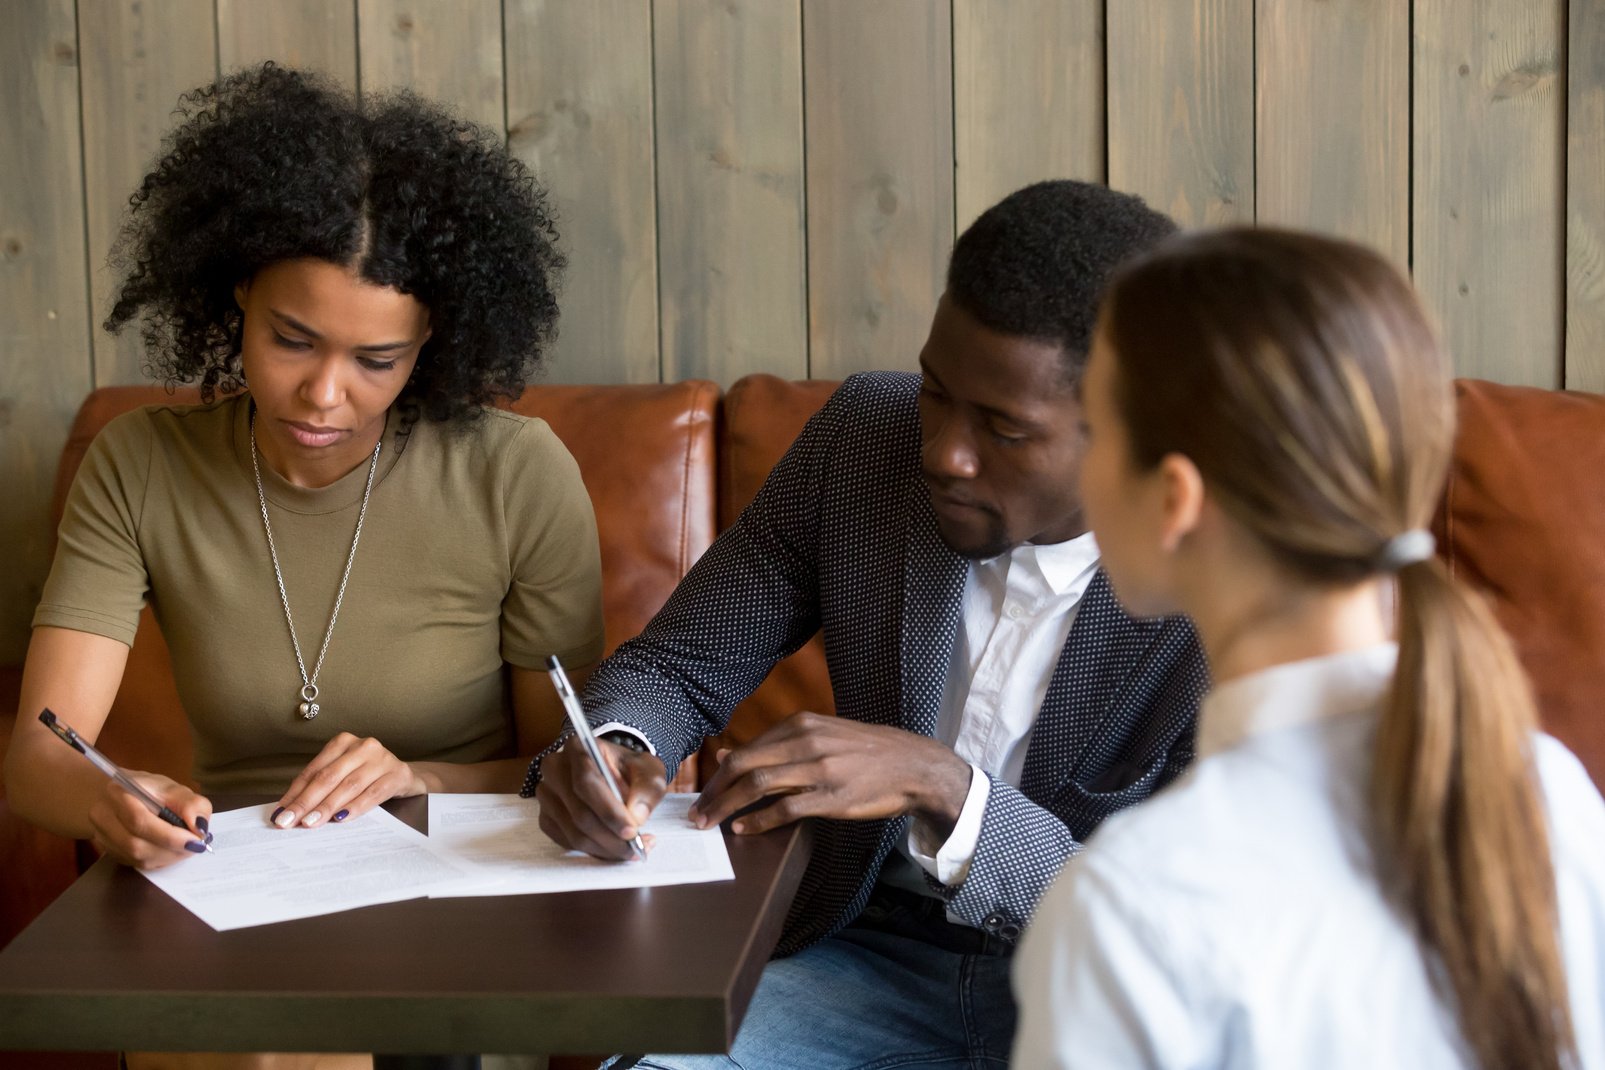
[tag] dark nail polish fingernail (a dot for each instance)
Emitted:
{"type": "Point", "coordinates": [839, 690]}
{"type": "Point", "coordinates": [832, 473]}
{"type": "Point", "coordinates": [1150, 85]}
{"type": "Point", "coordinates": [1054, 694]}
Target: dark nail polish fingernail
{"type": "Point", "coordinates": [208, 837]}
{"type": "Point", "coordinates": [276, 814]}
{"type": "Point", "coordinates": [195, 846]}
{"type": "Point", "coordinates": [201, 823]}
{"type": "Point", "coordinates": [341, 816]}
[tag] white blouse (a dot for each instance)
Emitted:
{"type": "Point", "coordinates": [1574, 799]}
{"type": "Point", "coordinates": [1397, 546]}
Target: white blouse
{"type": "Point", "coordinates": [1235, 920]}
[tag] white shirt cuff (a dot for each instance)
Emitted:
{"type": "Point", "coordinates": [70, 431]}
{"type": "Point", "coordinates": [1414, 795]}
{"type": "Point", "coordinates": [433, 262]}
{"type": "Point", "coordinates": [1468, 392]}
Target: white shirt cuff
{"type": "Point", "coordinates": [950, 862]}
{"type": "Point", "coordinates": [620, 726]}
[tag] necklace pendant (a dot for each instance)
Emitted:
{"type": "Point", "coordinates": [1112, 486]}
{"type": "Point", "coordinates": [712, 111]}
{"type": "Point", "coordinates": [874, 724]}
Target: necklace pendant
{"type": "Point", "coordinates": [308, 710]}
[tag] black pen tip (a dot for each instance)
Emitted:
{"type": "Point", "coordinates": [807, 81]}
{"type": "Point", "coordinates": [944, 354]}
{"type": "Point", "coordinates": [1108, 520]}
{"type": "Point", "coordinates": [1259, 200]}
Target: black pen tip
{"type": "Point", "coordinates": [552, 662]}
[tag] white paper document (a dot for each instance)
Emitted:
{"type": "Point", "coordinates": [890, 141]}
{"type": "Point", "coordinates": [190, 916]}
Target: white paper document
{"type": "Point", "coordinates": [502, 835]}
{"type": "Point", "coordinates": [260, 874]}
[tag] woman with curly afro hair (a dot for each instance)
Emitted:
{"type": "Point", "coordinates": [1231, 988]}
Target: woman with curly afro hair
{"type": "Point", "coordinates": [359, 566]}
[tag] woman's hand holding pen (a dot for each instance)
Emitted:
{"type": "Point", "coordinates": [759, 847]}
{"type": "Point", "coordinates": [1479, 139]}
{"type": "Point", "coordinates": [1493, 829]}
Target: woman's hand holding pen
{"type": "Point", "coordinates": [580, 813]}
{"type": "Point", "coordinates": [349, 777]}
{"type": "Point", "coordinates": [125, 829]}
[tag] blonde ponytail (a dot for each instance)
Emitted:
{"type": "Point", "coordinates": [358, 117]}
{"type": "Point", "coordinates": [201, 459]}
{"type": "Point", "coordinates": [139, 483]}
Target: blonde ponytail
{"type": "Point", "coordinates": [1461, 826]}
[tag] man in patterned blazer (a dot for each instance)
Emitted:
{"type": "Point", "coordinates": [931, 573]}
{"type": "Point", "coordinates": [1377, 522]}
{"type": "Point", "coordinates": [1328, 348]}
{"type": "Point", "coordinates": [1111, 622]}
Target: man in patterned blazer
{"type": "Point", "coordinates": [994, 703]}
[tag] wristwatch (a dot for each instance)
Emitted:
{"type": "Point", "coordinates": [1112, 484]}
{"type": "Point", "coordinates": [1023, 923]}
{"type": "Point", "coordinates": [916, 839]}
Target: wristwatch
{"type": "Point", "coordinates": [627, 740]}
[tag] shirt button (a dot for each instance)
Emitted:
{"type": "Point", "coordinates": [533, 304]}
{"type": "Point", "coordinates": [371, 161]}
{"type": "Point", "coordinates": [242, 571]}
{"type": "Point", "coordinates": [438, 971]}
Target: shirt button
{"type": "Point", "coordinates": [1014, 611]}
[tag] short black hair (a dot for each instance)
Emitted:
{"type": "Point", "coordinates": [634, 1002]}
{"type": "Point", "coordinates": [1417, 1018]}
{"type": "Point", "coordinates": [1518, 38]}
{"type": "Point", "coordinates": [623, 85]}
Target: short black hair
{"type": "Point", "coordinates": [273, 164]}
{"type": "Point", "coordinates": [1036, 263]}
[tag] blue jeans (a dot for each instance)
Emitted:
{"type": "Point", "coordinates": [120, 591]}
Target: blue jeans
{"type": "Point", "coordinates": [900, 987]}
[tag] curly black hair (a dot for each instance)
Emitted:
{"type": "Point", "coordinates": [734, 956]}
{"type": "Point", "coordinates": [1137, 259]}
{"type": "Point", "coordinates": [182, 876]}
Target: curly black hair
{"type": "Point", "coordinates": [1035, 264]}
{"type": "Point", "coordinates": [271, 164]}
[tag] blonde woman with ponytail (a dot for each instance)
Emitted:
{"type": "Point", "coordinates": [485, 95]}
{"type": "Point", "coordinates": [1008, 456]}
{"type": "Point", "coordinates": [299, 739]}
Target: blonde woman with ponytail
{"type": "Point", "coordinates": [1377, 860]}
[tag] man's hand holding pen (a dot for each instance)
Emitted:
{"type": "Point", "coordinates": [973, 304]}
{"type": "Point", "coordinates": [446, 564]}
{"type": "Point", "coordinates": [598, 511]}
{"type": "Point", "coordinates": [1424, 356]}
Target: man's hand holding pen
{"type": "Point", "coordinates": [578, 810]}
{"type": "Point", "coordinates": [809, 765]}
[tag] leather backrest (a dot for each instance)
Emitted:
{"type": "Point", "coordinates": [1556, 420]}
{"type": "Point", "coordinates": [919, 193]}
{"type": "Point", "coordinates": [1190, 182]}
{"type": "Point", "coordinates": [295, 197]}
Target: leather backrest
{"type": "Point", "coordinates": [762, 415]}
{"type": "Point", "coordinates": [1523, 520]}
{"type": "Point", "coordinates": [646, 454]}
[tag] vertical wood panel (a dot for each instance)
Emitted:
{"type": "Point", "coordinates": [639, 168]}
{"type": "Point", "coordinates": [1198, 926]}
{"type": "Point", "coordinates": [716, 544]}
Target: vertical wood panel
{"type": "Point", "coordinates": [1027, 96]}
{"type": "Point", "coordinates": [579, 106]}
{"type": "Point", "coordinates": [1585, 198]}
{"type": "Point", "coordinates": [313, 34]}
{"type": "Point", "coordinates": [880, 178]}
{"type": "Point", "coordinates": [44, 348]}
{"type": "Point", "coordinates": [450, 52]}
{"type": "Point", "coordinates": [893, 88]}
{"type": "Point", "coordinates": [1181, 106]}
{"type": "Point", "coordinates": [1333, 128]}
{"type": "Point", "coordinates": [1488, 183]}
{"type": "Point", "coordinates": [137, 58]}
{"type": "Point", "coordinates": [730, 188]}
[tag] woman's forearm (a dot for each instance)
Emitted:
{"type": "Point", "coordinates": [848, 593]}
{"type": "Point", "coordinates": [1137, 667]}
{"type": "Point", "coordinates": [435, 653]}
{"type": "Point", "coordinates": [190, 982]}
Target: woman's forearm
{"type": "Point", "coordinates": [498, 777]}
{"type": "Point", "coordinates": [75, 674]}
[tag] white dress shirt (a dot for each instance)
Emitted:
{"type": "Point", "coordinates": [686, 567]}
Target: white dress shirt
{"type": "Point", "coordinates": [1235, 919]}
{"type": "Point", "coordinates": [1016, 616]}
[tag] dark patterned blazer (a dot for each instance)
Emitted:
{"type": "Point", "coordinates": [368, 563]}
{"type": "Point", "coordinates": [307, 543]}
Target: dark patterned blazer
{"type": "Point", "coordinates": [842, 537]}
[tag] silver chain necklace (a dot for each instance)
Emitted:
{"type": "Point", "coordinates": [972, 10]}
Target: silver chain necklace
{"type": "Point", "coordinates": [309, 707]}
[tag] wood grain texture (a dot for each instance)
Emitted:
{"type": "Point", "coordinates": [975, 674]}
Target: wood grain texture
{"type": "Point", "coordinates": [115, 962]}
{"type": "Point", "coordinates": [1585, 197]}
{"type": "Point", "coordinates": [137, 58]}
{"type": "Point", "coordinates": [1028, 97]}
{"type": "Point", "coordinates": [917, 113]}
{"type": "Point", "coordinates": [1488, 201]}
{"type": "Point", "coordinates": [450, 52]}
{"type": "Point", "coordinates": [879, 128]}
{"type": "Point", "coordinates": [733, 267]}
{"type": "Point", "coordinates": [579, 105]}
{"type": "Point", "coordinates": [1181, 106]}
{"type": "Point", "coordinates": [318, 35]}
{"type": "Point", "coordinates": [45, 359]}
{"type": "Point", "coordinates": [1332, 100]}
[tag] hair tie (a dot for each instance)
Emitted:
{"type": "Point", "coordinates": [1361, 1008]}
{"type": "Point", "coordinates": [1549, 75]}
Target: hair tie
{"type": "Point", "coordinates": [1406, 549]}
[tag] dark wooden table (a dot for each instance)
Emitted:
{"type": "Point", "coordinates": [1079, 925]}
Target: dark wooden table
{"type": "Point", "coordinates": [115, 964]}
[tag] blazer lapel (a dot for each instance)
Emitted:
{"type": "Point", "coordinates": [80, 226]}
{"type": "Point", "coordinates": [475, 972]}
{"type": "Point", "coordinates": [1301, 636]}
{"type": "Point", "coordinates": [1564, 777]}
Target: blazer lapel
{"type": "Point", "coordinates": [933, 593]}
{"type": "Point", "coordinates": [1105, 645]}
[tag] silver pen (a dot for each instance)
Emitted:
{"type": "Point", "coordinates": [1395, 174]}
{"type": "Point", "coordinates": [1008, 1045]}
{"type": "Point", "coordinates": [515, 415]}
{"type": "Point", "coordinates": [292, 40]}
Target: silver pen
{"type": "Point", "coordinates": [582, 729]}
{"type": "Point", "coordinates": [124, 781]}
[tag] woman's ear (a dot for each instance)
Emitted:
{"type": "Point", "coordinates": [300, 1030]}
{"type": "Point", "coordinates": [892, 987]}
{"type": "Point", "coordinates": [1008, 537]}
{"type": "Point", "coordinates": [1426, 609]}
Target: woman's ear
{"type": "Point", "coordinates": [1182, 500]}
{"type": "Point", "coordinates": [239, 294]}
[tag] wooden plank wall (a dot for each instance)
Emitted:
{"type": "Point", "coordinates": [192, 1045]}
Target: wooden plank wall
{"type": "Point", "coordinates": [773, 185]}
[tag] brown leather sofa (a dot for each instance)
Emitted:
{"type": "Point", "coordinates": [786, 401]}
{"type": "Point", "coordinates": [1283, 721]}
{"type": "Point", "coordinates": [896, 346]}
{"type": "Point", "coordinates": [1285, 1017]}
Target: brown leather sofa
{"type": "Point", "coordinates": [1523, 517]}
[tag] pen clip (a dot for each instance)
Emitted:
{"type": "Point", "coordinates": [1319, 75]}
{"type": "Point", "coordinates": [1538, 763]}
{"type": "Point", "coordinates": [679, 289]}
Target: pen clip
{"type": "Point", "coordinates": [554, 669]}
{"type": "Point", "coordinates": [67, 735]}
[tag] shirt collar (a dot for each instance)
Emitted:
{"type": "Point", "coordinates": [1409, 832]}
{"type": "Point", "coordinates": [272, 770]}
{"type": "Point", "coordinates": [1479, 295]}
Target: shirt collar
{"type": "Point", "coordinates": [1294, 694]}
{"type": "Point", "coordinates": [1061, 564]}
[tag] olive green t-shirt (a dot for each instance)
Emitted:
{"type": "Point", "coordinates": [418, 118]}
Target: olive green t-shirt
{"type": "Point", "coordinates": [479, 549]}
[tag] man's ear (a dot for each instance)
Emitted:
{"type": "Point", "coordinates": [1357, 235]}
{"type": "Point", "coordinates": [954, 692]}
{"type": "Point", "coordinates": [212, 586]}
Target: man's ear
{"type": "Point", "coordinates": [1182, 488]}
